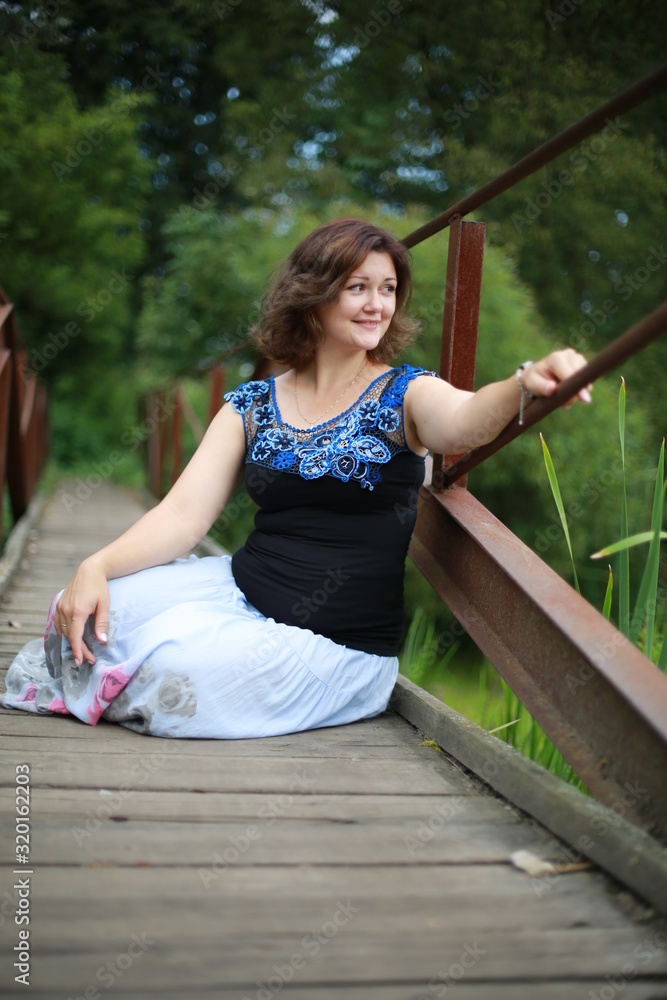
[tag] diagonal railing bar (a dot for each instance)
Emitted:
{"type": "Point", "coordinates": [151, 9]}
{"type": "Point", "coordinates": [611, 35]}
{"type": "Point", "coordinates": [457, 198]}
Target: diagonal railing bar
{"type": "Point", "coordinates": [627, 99]}
{"type": "Point", "coordinates": [633, 340]}
{"type": "Point", "coordinates": [599, 699]}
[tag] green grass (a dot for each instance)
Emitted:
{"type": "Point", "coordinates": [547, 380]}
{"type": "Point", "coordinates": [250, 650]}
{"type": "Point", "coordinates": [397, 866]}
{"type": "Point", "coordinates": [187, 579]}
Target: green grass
{"type": "Point", "coordinates": [511, 721]}
{"type": "Point", "coordinates": [480, 694]}
{"type": "Point", "coordinates": [7, 520]}
{"type": "Point", "coordinates": [643, 628]}
{"type": "Point", "coordinates": [467, 682]}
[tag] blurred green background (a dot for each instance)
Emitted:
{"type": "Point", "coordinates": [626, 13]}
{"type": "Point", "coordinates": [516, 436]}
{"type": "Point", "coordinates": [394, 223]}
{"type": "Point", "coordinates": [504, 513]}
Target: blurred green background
{"type": "Point", "coordinates": [159, 159]}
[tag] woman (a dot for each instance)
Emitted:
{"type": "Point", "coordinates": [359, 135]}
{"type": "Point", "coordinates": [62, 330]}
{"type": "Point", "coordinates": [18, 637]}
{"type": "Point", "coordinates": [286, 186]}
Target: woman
{"type": "Point", "coordinates": [300, 629]}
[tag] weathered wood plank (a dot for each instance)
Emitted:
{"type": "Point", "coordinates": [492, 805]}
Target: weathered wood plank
{"type": "Point", "coordinates": [386, 729]}
{"type": "Point", "coordinates": [67, 922]}
{"type": "Point", "coordinates": [26, 616]}
{"type": "Point", "coordinates": [655, 989]}
{"type": "Point", "coordinates": [174, 771]}
{"type": "Point", "coordinates": [281, 883]}
{"type": "Point", "coordinates": [39, 604]}
{"type": "Point", "coordinates": [77, 805]}
{"type": "Point", "coordinates": [445, 894]}
{"type": "Point", "coordinates": [292, 841]}
{"type": "Point", "coordinates": [13, 639]}
{"type": "Point", "coordinates": [26, 586]}
{"type": "Point", "coordinates": [226, 748]}
{"type": "Point", "coordinates": [242, 960]}
{"type": "Point", "coordinates": [39, 597]}
{"type": "Point", "coordinates": [238, 748]}
{"type": "Point", "coordinates": [32, 569]}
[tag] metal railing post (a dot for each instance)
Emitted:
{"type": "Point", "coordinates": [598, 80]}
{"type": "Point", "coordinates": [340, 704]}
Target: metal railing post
{"type": "Point", "coordinates": [463, 290]}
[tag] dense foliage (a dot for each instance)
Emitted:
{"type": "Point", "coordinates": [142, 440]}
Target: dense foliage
{"type": "Point", "coordinates": [159, 159]}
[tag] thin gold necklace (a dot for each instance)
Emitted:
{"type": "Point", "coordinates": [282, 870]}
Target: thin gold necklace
{"type": "Point", "coordinates": [346, 389]}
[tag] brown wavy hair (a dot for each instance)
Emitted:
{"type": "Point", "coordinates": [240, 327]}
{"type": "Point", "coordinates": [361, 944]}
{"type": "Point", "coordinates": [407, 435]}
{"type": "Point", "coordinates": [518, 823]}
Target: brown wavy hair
{"type": "Point", "coordinates": [315, 273]}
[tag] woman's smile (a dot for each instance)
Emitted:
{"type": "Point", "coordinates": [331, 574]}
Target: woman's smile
{"type": "Point", "coordinates": [365, 305]}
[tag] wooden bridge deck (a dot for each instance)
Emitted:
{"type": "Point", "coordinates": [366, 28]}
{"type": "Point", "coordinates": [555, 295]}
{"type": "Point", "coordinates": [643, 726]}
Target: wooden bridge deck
{"type": "Point", "coordinates": [352, 861]}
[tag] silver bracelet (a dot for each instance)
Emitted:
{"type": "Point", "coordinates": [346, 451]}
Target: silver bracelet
{"type": "Point", "coordinates": [524, 392]}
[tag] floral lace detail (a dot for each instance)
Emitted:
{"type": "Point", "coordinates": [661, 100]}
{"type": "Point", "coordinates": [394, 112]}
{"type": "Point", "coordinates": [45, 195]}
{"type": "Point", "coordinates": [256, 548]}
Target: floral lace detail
{"type": "Point", "coordinates": [351, 446]}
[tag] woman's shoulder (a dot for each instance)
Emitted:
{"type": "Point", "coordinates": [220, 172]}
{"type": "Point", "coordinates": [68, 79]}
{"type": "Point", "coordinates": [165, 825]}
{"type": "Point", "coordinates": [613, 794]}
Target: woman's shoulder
{"type": "Point", "coordinates": [245, 395]}
{"type": "Point", "coordinates": [403, 375]}
{"type": "Point", "coordinates": [409, 371]}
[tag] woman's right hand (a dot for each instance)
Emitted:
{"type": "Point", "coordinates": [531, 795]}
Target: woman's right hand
{"type": "Point", "coordinates": [86, 594]}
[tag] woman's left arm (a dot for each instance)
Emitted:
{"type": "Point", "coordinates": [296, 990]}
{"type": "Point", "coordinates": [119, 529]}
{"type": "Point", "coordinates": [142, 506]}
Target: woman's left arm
{"type": "Point", "coordinates": [451, 421]}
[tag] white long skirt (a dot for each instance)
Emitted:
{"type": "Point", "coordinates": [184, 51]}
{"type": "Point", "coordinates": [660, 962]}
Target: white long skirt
{"type": "Point", "coordinates": [188, 656]}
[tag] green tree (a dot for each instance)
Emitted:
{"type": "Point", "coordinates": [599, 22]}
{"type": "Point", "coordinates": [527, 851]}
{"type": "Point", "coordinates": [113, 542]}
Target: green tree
{"type": "Point", "coordinates": [401, 103]}
{"type": "Point", "coordinates": [71, 208]}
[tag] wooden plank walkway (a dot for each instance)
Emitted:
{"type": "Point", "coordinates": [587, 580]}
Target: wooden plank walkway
{"type": "Point", "coordinates": [351, 862]}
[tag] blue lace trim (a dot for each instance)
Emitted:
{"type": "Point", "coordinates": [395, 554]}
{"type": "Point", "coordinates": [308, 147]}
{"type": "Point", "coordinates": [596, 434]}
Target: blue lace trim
{"type": "Point", "coordinates": [352, 445]}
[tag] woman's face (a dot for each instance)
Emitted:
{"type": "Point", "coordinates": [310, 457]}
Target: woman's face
{"type": "Point", "coordinates": [361, 316]}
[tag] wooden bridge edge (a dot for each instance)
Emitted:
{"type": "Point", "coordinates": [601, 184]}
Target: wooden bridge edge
{"type": "Point", "coordinates": [16, 540]}
{"type": "Point", "coordinates": [592, 830]}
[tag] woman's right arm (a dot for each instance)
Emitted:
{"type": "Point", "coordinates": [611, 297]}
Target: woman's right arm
{"type": "Point", "coordinates": [165, 532]}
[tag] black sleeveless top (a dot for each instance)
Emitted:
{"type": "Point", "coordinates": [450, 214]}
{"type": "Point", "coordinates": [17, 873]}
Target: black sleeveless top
{"type": "Point", "coordinates": [338, 503]}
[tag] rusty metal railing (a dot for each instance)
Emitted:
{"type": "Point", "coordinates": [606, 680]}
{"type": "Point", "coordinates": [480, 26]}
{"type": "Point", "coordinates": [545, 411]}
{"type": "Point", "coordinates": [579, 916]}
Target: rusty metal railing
{"type": "Point", "coordinates": [23, 418]}
{"type": "Point", "coordinates": [163, 414]}
{"type": "Point", "coordinates": [633, 340]}
{"type": "Point", "coordinates": [598, 698]}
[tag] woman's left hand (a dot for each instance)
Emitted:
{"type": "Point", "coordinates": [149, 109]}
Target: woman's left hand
{"type": "Point", "coordinates": [542, 377]}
